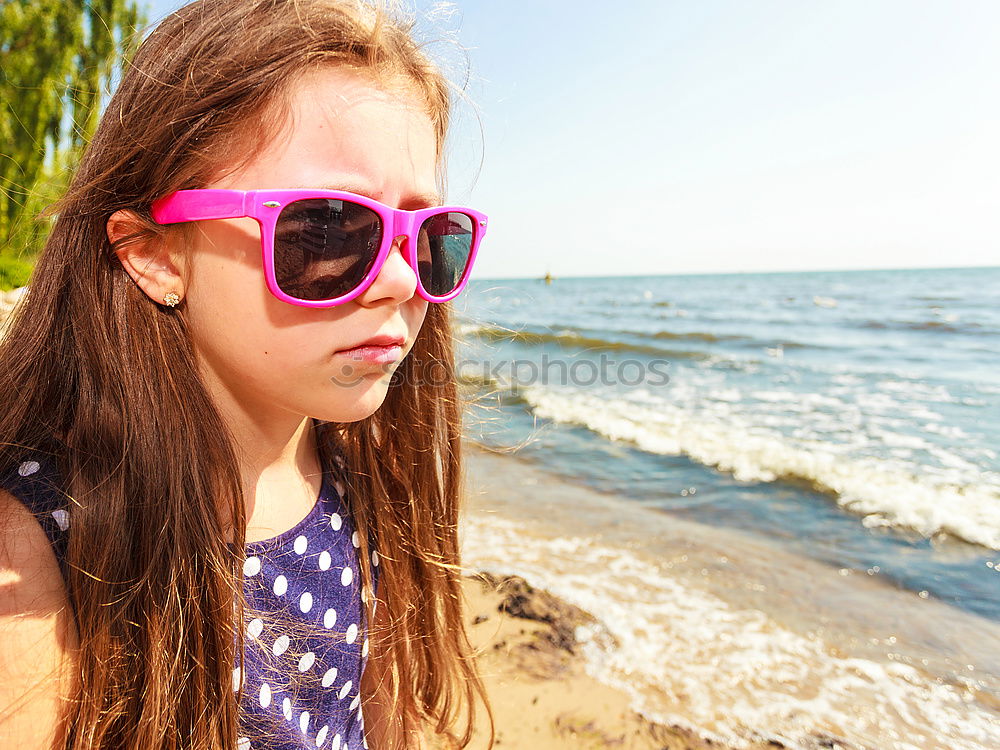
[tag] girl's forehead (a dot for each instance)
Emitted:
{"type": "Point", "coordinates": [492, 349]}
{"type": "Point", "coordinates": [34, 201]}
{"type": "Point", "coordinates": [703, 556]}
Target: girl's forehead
{"type": "Point", "coordinates": [341, 122]}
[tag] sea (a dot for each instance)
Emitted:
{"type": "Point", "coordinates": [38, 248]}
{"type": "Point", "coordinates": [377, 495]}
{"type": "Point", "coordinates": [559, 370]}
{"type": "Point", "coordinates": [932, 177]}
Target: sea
{"type": "Point", "coordinates": [778, 492]}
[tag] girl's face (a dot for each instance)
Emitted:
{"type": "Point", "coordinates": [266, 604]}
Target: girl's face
{"type": "Point", "coordinates": [268, 358]}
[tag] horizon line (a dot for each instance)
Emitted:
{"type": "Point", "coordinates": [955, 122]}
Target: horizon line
{"type": "Point", "coordinates": [734, 273]}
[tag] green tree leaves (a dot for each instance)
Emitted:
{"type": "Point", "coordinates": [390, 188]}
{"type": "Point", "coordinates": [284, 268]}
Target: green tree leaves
{"type": "Point", "coordinates": [58, 61]}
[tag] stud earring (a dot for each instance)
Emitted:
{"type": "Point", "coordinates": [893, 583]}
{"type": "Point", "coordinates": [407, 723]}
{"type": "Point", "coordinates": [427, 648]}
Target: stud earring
{"type": "Point", "coordinates": [171, 298]}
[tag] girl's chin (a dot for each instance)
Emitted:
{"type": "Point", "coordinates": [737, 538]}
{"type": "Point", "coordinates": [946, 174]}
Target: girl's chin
{"type": "Point", "coordinates": [356, 403]}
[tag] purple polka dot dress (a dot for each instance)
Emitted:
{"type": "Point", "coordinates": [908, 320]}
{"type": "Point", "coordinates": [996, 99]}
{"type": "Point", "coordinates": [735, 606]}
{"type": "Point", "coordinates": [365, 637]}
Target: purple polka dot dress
{"type": "Point", "coordinates": [305, 638]}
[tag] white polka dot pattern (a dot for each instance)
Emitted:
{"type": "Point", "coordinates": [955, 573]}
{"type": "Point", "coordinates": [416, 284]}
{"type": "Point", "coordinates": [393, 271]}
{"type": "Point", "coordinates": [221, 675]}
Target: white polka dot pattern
{"type": "Point", "coordinates": [251, 566]}
{"type": "Point", "coordinates": [255, 628]}
{"type": "Point", "coordinates": [306, 662]}
{"type": "Point", "coordinates": [329, 677]}
{"type": "Point", "coordinates": [61, 518]}
{"type": "Point", "coordinates": [28, 468]}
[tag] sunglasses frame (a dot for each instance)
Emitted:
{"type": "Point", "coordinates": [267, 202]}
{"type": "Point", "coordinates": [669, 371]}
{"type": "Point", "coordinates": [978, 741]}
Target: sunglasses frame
{"type": "Point", "coordinates": [265, 206]}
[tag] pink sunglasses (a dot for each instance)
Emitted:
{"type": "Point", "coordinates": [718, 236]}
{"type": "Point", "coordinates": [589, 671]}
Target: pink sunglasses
{"type": "Point", "coordinates": [326, 247]}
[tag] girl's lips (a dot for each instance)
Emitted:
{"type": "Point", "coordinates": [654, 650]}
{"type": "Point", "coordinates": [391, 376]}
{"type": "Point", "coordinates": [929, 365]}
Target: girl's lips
{"type": "Point", "coordinates": [379, 355]}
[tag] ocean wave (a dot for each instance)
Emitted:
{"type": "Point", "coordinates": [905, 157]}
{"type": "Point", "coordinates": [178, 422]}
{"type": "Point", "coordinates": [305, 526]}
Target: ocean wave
{"type": "Point", "coordinates": [625, 341]}
{"type": "Point", "coordinates": [882, 494]}
{"type": "Point", "coordinates": [480, 388]}
{"type": "Point", "coordinates": [692, 336]}
{"type": "Point", "coordinates": [569, 337]}
{"type": "Point", "coordinates": [938, 326]}
{"type": "Point", "coordinates": [478, 381]}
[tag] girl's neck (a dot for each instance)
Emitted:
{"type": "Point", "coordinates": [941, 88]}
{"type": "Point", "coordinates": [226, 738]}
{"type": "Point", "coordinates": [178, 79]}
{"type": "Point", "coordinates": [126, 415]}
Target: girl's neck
{"type": "Point", "coordinates": [281, 488]}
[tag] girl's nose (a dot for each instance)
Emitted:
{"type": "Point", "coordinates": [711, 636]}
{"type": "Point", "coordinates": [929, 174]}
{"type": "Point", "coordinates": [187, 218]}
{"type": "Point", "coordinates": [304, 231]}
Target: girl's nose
{"type": "Point", "coordinates": [395, 280]}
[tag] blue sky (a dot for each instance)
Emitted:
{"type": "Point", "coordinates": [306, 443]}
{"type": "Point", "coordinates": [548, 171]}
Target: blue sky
{"type": "Point", "coordinates": [722, 135]}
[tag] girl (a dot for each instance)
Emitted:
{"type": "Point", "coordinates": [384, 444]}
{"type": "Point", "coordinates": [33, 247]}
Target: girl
{"type": "Point", "coordinates": [229, 430]}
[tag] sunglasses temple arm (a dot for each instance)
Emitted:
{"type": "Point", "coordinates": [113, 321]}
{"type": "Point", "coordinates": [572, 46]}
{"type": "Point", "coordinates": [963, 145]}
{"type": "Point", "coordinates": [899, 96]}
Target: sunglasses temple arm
{"type": "Point", "coordinates": [202, 205]}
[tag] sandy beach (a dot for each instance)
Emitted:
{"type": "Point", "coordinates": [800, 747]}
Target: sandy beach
{"type": "Point", "coordinates": [542, 696]}
{"type": "Point", "coordinates": [532, 663]}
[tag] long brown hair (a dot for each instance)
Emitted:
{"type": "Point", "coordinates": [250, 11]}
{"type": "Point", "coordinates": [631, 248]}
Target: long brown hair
{"type": "Point", "coordinates": [96, 374]}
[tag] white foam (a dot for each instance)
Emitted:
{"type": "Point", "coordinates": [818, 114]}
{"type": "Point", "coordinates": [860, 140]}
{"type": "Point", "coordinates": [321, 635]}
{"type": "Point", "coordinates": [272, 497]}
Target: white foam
{"type": "Point", "coordinates": [918, 391]}
{"type": "Point", "coordinates": [687, 657]}
{"type": "Point", "coordinates": [884, 491]}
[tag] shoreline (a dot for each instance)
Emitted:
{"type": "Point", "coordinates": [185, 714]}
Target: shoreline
{"type": "Point", "coordinates": [599, 623]}
{"type": "Point", "coordinates": [541, 695]}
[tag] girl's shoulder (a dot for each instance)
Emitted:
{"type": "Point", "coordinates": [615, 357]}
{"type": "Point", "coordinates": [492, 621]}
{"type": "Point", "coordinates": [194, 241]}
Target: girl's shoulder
{"type": "Point", "coordinates": [38, 636]}
{"type": "Point", "coordinates": [35, 483]}
{"type": "Point", "coordinates": [29, 566]}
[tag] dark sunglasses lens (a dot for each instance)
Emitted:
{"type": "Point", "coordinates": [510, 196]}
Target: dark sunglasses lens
{"type": "Point", "coordinates": [444, 250]}
{"type": "Point", "coordinates": [323, 248]}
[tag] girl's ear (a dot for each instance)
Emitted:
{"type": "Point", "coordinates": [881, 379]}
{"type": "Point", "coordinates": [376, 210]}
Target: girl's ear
{"type": "Point", "coordinates": [147, 258]}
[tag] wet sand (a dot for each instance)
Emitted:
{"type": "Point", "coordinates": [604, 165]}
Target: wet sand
{"type": "Point", "coordinates": [541, 695]}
